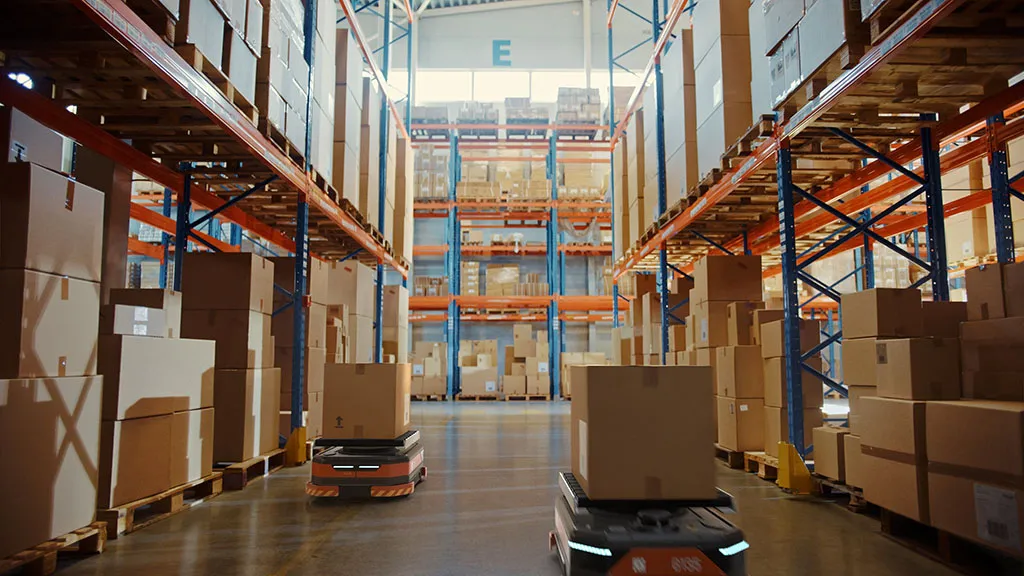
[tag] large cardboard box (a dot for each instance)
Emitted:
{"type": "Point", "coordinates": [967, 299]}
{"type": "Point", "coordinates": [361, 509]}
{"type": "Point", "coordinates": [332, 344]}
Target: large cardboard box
{"type": "Point", "coordinates": [919, 368]}
{"type": "Point", "coordinates": [741, 424]}
{"type": "Point", "coordinates": [49, 223]}
{"type": "Point", "coordinates": [243, 337]}
{"type": "Point", "coordinates": [829, 452]}
{"type": "Point", "coordinates": [676, 338]}
{"type": "Point", "coordinates": [145, 376]}
{"type": "Point", "coordinates": [361, 343]}
{"type": "Point", "coordinates": [739, 372]}
{"type": "Point", "coordinates": [976, 493]}
{"type": "Point", "coordinates": [894, 457]}
{"type": "Point", "coordinates": [982, 385]}
{"type": "Point", "coordinates": [283, 326]}
{"type": "Point", "coordinates": [851, 456]}
{"type": "Point", "coordinates": [316, 278]}
{"type": "Point", "coordinates": [227, 281]}
{"type": "Point", "coordinates": [1013, 289]}
{"type": "Point", "coordinates": [776, 427]}
{"type": "Point", "coordinates": [726, 279]}
{"type": "Point", "coordinates": [541, 384]}
{"type": "Point", "coordinates": [47, 490]}
{"type": "Point", "coordinates": [780, 16]}
{"type": "Point", "coordinates": [626, 418]}
{"type": "Point", "coordinates": [773, 337]}
{"type": "Point", "coordinates": [246, 404]}
{"type": "Point", "coordinates": [351, 283]}
{"type": "Point", "coordinates": [985, 292]}
{"type": "Point", "coordinates": [714, 19]}
{"type": "Point", "coordinates": [775, 391]}
{"type": "Point", "coordinates": [396, 307]}
{"type": "Point", "coordinates": [856, 395]}
{"type": "Point", "coordinates": [762, 317]}
{"type": "Point", "coordinates": [48, 325]}
{"type": "Point", "coordinates": [711, 328]}
{"type": "Point", "coordinates": [191, 450]}
{"type": "Point", "coordinates": [480, 381]}
{"type": "Point", "coordinates": [942, 319]}
{"type": "Point", "coordinates": [314, 367]}
{"type": "Point", "coordinates": [517, 384]}
{"type": "Point", "coordinates": [891, 312]}
{"type": "Point", "coordinates": [166, 300]}
{"type": "Point", "coordinates": [366, 400]}
{"type": "Point", "coordinates": [741, 321]}
{"type": "Point", "coordinates": [134, 459]}
{"type": "Point", "coordinates": [860, 359]}
{"type": "Point", "coordinates": [22, 139]}
{"type": "Point", "coordinates": [992, 345]}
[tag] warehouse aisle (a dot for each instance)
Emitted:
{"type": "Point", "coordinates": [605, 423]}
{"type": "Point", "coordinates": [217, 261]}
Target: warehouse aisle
{"type": "Point", "coordinates": [485, 509]}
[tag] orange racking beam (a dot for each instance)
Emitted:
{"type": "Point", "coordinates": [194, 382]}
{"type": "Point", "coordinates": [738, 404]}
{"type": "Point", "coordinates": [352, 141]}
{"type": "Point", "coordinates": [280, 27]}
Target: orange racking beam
{"type": "Point", "coordinates": [136, 246]}
{"type": "Point", "coordinates": [602, 250]}
{"type": "Point", "coordinates": [161, 222]}
{"type": "Point", "coordinates": [504, 158]}
{"type": "Point", "coordinates": [457, 126]}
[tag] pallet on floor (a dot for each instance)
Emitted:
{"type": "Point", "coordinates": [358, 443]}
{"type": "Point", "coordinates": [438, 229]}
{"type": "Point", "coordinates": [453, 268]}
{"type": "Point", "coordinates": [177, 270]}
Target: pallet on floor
{"type": "Point", "coordinates": [42, 558]}
{"type": "Point", "coordinates": [429, 397]}
{"type": "Point", "coordinates": [240, 474]}
{"type": "Point", "coordinates": [140, 513]}
{"type": "Point", "coordinates": [477, 397]}
{"type": "Point", "coordinates": [732, 458]}
{"type": "Point", "coordinates": [528, 397]}
{"type": "Point", "coordinates": [964, 556]}
{"type": "Point", "coordinates": [766, 467]}
{"type": "Point", "coordinates": [828, 486]}
{"type": "Point", "coordinates": [191, 54]}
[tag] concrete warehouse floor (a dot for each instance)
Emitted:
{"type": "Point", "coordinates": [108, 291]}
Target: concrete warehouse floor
{"type": "Point", "coordinates": [485, 509]}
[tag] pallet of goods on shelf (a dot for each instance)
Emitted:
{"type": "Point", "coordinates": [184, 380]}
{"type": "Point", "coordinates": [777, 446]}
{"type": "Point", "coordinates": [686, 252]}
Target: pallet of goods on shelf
{"type": "Point", "coordinates": [429, 370]}
{"type": "Point", "coordinates": [430, 286]}
{"type": "Point", "coordinates": [526, 375]}
{"type": "Point", "coordinates": [431, 173]}
{"type": "Point", "coordinates": [478, 113]}
{"type": "Point", "coordinates": [478, 365]}
{"type": "Point", "coordinates": [477, 191]}
{"type": "Point", "coordinates": [429, 115]}
{"type": "Point", "coordinates": [522, 111]}
{"type": "Point", "coordinates": [578, 106]}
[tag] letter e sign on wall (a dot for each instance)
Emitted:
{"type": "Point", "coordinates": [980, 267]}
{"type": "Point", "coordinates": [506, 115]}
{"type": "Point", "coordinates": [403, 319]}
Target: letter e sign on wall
{"type": "Point", "coordinates": [502, 53]}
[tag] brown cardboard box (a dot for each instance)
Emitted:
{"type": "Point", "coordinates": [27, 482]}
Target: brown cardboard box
{"type": "Point", "coordinates": [892, 312]}
{"type": "Point", "coordinates": [316, 361]}
{"type": "Point", "coordinates": [776, 427]}
{"type": "Point", "coordinates": [396, 306]}
{"type": "Point", "coordinates": [624, 420]}
{"type": "Point", "coordinates": [167, 300]}
{"type": "Point", "coordinates": [981, 385]}
{"type": "Point", "coordinates": [965, 483]}
{"type": "Point", "coordinates": [56, 494]}
{"type": "Point", "coordinates": [22, 139]}
{"type": "Point", "coordinates": [860, 359]}
{"type": "Point", "coordinates": [676, 338]}
{"type": "Point", "coordinates": [151, 376]}
{"type": "Point", "coordinates": [773, 342]}
{"type": "Point", "coordinates": [894, 457]}
{"type": "Point", "coordinates": [1013, 289]}
{"type": "Point", "coordinates": [227, 281]}
{"type": "Point", "coordinates": [525, 348]}
{"type": "Point", "coordinates": [942, 319]}
{"type": "Point", "coordinates": [351, 284]}
{"type": "Point", "coordinates": [740, 322]}
{"type": "Point", "coordinates": [711, 328]}
{"type": "Point", "coordinates": [775, 392]}
{"type": "Point", "coordinates": [434, 385]}
{"type": "Point", "coordinates": [191, 450]}
{"type": "Point", "coordinates": [856, 395]}
{"type": "Point", "coordinates": [741, 424]}
{"type": "Point", "coordinates": [691, 332]}
{"type": "Point", "coordinates": [243, 337]}
{"type": "Point", "coordinates": [336, 341]}
{"type": "Point", "coordinates": [514, 384]}
{"type": "Point", "coordinates": [541, 384]}
{"type": "Point", "coordinates": [246, 408]}
{"type": "Point", "coordinates": [851, 456]}
{"type": "Point", "coordinates": [316, 278]}
{"type": "Point", "coordinates": [283, 327]}
{"type": "Point", "coordinates": [522, 333]}
{"type": "Point", "coordinates": [992, 345]}
{"type": "Point", "coordinates": [739, 372]}
{"type": "Point", "coordinates": [134, 459]}
{"type": "Point", "coordinates": [727, 279]}
{"type": "Point", "coordinates": [49, 223]}
{"type": "Point", "coordinates": [687, 358]}
{"type": "Point", "coordinates": [918, 368]}
{"type": "Point", "coordinates": [396, 343]}
{"type": "Point", "coordinates": [315, 415]}
{"type": "Point", "coordinates": [48, 325]}
{"type": "Point", "coordinates": [829, 455]}
{"type": "Point", "coordinates": [652, 359]}
{"type": "Point", "coordinates": [985, 292]}
{"type": "Point", "coordinates": [762, 317]}
{"type": "Point", "coordinates": [366, 401]}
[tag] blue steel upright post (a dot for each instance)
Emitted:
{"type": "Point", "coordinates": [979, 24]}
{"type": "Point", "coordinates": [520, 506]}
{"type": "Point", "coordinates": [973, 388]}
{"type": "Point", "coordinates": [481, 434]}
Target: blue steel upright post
{"type": "Point", "coordinates": [382, 182]}
{"type": "Point", "coordinates": [936, 216]}
{"type": "Point", "coordinates": [181, 229]}
{"type": "Point", "coordinates": [165, 238]}
{"type": "Point", "coordinates": [659, 131]}
{"type": "Point", "coordinates": [611, 176]}
{"type": "Point", "coordinates": [1002, 218]}
{"type": "Point", "coordinates": [554, 287]}
{"type": "Point", "coordinates": [454, 260]}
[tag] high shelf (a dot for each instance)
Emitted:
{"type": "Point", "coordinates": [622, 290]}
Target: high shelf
{"type": "Point", "coordinates": [929, 95]}
{"type": "Point", "coordinates": [106, 78]}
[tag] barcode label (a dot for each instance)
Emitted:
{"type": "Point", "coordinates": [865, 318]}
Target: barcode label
{"type": "Point", "coordinates": [996, 514]}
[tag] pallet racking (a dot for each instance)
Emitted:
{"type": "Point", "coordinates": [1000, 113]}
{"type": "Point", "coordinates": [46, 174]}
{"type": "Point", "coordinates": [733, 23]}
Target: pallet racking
{"type": "Point", "coordinates": [879, 109]}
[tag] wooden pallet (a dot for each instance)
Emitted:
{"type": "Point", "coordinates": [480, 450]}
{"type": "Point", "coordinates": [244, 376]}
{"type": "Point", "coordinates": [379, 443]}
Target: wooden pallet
{"type": "Point", "coordinates": [430, 397]}
{"type": "Point", "coordinates": [275, 135]}
{"type": "Point", "coordinates": [732, 458]}
{"type": "Point", "coordinates": [191, 54]}
{"type": "Point", "coordinates": [239, 475]}
{"type": "Point", "coordinates": [766, 467]}
{"type": "Point", "coordinates": [828, 487]}
{"type": "Point", "coordinates": [42, 559]}
{"type": "Point", "coordinates": [528, 397]}
{"type": "Point", "coordinates": [140, 513]}
{"type": "Point", "coordinates": [477, 397]}
{"type": "Point", "coordinates": [964, 556]}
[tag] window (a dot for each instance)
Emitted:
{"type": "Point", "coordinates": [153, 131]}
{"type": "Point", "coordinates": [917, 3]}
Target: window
{"type": "Point", "coordinates": [399, 82]}
{"type": "Point", "coordinates": [495, 86]}
{"type": "Point", "coordinates": [443, 86]}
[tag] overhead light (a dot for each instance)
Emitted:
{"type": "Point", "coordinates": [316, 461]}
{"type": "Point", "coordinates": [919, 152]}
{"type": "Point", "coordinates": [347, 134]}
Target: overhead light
{"type": "Point", "coordinates": [21, 78]}
{"type": "Point", "coordinates": [734, 549]}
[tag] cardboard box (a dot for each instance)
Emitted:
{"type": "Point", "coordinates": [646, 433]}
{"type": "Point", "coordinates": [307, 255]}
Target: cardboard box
{"type": "Point", "coordinates": [541, 384]}
{"type": "Point", "coordinates": [478, 381]}
{"type": "Point", "coordinates": [316, 278]}
{"type": "Point", "coordinates": [741, 321]}
{"type": "Point", "coordinates": [829, 452]}
{"type": "Point", "coordinates": [892, 312]}
{"type": "Point", "coordinates": [856, 395]}
{"type": "Point", "coordinates": [49, 223]}
{"type": "Point", "coordinates": [894, 456]}
{"type": "Point", "coordinates": [992, 345]}
{"type": "Point", "coordinates": [243, 337]}
{"type": "Point", "coordinates": [727, 278]}
{"type": "Point", "coordinates": [366, 400]}
{"type": "Point", "coordinates": [435, 385]}
{"type": "Point", "coordinates": [1013, 289]}
{"type": "Point", "coordinates": [56, 494]}
{"type": "Point", "coordinates": [775, 390]}
{"type": "Point", "coordinates": [48, 325]}
{"type": "Point", "coordinates": [762, 317]}
{"type": "Point", "coordinates": [522, 333]}
{"type": "Point", "coordinates": [283, 326]}
{"type": "Point", "coordinates": [314, 367]}
{"type": "Point", "coordinates": [134, 459]}
{"type": "Point", "coordinates": [773, 340]}
{"type": "Point", "coordinates": [525, 348]}
{"type": "Point", "coordinates": [396, 307]}
{"type": "Point", "coordinates": [982, 385]}
{"type": "Point", "coordinates": [151, 376]}
{"type": "Point", "coordinates": [741, 424]}
{"type": "Point", "coordinates": [676, 338]}
{"type": "Point", "coordinates": [247, 405]}
{"type": "Point", "coordinates": [691, 333]}
{"type": "Point", "coordinates": [973, 493]}
{"type": "Point", "coordinates": [711, 328]}
{"type": "Point", "coordinates": [166, 300]}
{"type": "Point", "coordinates": [776, 427]}
{"type": "Point", "coordinates": [859, 360]}
{"type": "Point", "coordinates": [851, 458]}
{"type": "Point", "coordinates": [351, 284]}
{"type": "Point", "coordinates": [918, 368]}
{"type": "Point", "coordinates": [942, 319]}
{"type": "Point", "coordinates": [361, 342]}
{"type": "Point", "coordinates": [985, 292]}
{"type": "Point", "coordinates": [227, 281]}
{"type": "Point", "coordinates": [625, 419]}
{"type": "Point", "coordinates": [191, 450]}
{"type": "Point", "coordinates": [22, 139]}
{"type": "Point", "coordinates": [514, 385]}
{"type": "Point", "coordinates": [739, 372]}
{"type": "Point", "coordinates": [780, 16]}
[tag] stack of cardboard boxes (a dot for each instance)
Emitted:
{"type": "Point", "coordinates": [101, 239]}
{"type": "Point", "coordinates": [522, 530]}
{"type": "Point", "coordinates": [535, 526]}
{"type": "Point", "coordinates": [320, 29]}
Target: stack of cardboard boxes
{"type": "Point", "coordinates": [396, 322]}
{"type": "Point", "coordinates": [577, 359]}
{"type": "Point", "coordinates": [478, 364]}
{"type": "Point", "coordinates": [50, 261]}
{"type": "Point", "coordinates": [366, 401]}
{"type": "Point", "coordinates": [348, 113]}
{"type": "Point", "coordinates": [227, 34]}
{"type": "Point", "coordinates": [470, 279]}
{"type": "Point", "coordinates": [350, 300]}
{"type": "Point", "coordinates": [229, 298]}
{"type": "Point", "coordinates": [430, 285]}
{"type": "Point", "coordinates": [430, 369]}
{"type": "Point", "coordinates": [526, 363]}
{"type": "Point", "coordinates": [338, 349]}
{"type": "Point", "coordinates": [315, 351]}
{"type": "Point", "coordinates": [401, 235]}
{"type": "Point", "coordinates": [776, 399]}
{"type": "Point", "coordinates": [641, 344]}
{"type": "Point", "coordinates": [501, 279]}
